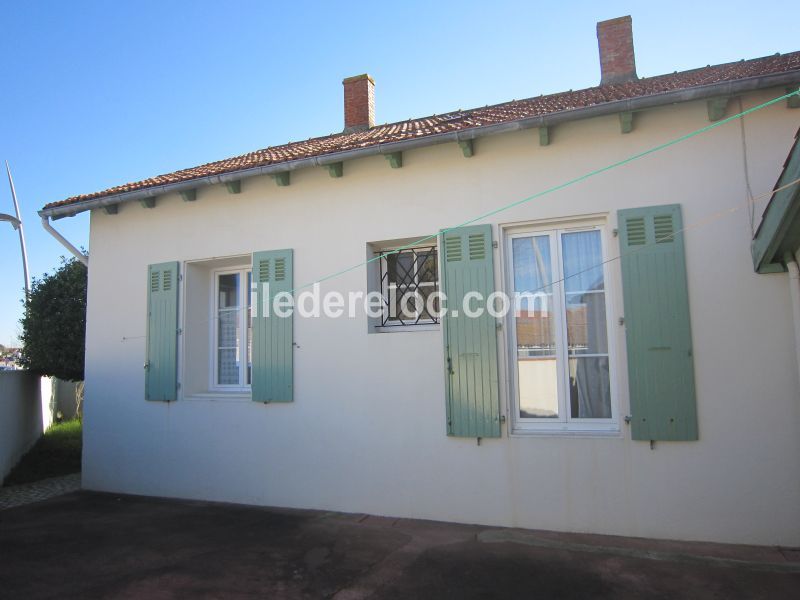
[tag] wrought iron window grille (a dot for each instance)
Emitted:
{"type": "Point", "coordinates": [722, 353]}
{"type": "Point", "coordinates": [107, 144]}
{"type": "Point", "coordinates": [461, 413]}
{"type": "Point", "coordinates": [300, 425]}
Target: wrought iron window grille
{"type": "Point", "coordinates": [408, 278]}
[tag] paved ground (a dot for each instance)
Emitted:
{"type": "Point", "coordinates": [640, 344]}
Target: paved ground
{"type": "Point", "coordinates": [88, 545]}
{"type": "Point", "coordinates": [17, 495]}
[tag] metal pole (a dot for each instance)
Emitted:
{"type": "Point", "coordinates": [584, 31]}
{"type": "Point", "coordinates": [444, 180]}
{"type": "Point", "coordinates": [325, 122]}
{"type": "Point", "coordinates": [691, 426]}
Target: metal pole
{"type": "Point", "coordinates": [21, 234]}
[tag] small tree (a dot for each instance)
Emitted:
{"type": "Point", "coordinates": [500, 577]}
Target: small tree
{"type": "Point", "coordinates": [54, 325]}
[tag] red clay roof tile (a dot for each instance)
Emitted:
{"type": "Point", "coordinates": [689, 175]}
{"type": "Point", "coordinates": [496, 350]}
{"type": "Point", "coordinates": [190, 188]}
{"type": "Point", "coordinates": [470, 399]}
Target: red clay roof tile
{"type": "Point", "coordinates": [461, 120]}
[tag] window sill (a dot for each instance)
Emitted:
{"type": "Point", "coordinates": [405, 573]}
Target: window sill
{"type": "Point", "coordinates": [614, 432]}
{"type": "Point", "coordinates": [219, 397]}
{"type": "Point", "coordinates": [407, 328]}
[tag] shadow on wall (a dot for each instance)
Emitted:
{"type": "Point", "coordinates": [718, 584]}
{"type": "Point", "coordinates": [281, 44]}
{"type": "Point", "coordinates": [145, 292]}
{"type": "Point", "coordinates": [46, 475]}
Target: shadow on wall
{"type": "Point", "coordinates": [28, 406]}
{"type": "Point", "coordinates": [64, 403]}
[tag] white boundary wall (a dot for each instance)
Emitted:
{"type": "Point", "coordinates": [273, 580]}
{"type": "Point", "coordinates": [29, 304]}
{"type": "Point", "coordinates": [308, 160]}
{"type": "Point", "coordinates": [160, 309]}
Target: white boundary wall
{"type": "Point", "coordinates": [25, 413]}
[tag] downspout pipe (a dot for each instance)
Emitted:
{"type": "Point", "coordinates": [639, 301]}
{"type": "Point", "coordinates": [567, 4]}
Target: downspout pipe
{"type": "Point", "coordinates": [794, 293]}
{"type": "Point", "coordinates": [64, 242]}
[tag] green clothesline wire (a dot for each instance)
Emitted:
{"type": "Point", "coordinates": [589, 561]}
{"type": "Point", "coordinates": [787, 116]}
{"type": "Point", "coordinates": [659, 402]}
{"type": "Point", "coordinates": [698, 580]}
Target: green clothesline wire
{"type": "Point", "coordinates": [558, 187]}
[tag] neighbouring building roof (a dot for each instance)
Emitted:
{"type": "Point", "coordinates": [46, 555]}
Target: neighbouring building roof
{"type": "Point", "coordinates": [567, 105]}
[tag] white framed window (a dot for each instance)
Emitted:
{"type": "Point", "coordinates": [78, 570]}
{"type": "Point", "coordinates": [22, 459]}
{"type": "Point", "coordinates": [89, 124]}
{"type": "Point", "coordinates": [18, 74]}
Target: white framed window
{"type": "Point", "coordinates": [409, 278]}
{"type": "Point", "coordinates": [231, 364]}
{"type": "Point", "coordinates": [561, 361]}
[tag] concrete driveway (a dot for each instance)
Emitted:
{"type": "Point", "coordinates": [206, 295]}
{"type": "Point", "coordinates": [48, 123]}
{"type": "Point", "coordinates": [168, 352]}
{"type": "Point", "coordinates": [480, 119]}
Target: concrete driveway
{"type": "Point", "coordinates": [89, 545]}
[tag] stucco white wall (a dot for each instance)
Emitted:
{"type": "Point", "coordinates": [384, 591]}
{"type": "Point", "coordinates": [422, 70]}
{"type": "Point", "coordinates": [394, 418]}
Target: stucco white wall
{"type": "Point", "coordinates": [366, 431]}
{"type": "Point", "coordinates": [25, 412]}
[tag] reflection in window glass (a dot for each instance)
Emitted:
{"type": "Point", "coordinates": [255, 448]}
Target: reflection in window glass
{"type": "Point", "coordinates": [586, 323]}
{"type": "Point", "coordinates": [532, 264]}
{"type": "Point", "coordinates": [537, 372]}
{"type": "Point", "coordinates": [561, 326]}
{"type": "Point", "coordinates": [589, 388]}
{"type": "Point", "coordinates": [589, 385]}
{"type": "Point", "coordinates": [583, 261]}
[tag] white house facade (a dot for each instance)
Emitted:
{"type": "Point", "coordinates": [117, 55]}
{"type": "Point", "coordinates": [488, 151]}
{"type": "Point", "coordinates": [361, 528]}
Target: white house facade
{"type": "Point", "coordinates": [654, 392]}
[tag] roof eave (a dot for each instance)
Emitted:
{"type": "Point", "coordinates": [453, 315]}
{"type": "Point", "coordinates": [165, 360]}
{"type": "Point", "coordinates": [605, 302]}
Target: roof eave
{"type": "Point", "coordinates": [779, 229]}
{"type": "Point", "coordinates": [725, 88]}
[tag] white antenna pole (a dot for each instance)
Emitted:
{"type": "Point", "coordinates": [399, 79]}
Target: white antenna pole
{"type": "Point", "coordinates": [21, 233]}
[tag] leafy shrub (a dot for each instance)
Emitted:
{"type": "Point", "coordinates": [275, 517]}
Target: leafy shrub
{"type": "Point", "coordinates": [54, 325]}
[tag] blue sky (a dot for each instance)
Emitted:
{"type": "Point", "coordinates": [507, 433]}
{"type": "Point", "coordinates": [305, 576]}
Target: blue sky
{"type": "Point", "coordinates": [99, 93]}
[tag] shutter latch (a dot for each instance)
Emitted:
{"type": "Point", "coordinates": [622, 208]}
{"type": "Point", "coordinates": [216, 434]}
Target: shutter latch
{"type": "Point", "coordinates": [628, 419]}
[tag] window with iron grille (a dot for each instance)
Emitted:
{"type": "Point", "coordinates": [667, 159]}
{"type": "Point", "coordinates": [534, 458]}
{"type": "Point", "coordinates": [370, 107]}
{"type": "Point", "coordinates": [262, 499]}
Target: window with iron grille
{"type": "Point", "coordinates": [409, 279]}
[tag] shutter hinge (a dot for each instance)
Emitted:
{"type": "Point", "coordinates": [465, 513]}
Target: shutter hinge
{"type": "Point", "coordinates": [178, 385]}
{"type": "Point", "coordinates": [498, 324]}
{"type": "Point", "coordinates": [628, 419]}
{"type": "Point", "coordinates": [179, 331]}
{"type": "Point", "coordinates": [146, 364]}
{"type": "Point", "coordinates": [180, 276]}
{"type": "Point", "coordinates": [615, 232]}
{"type": "Point", "coordinates": [621, 321]}
{"type": "Point", "coordinates": [494, 244]}
{"type": "Point", "coordinates": [502, 418]}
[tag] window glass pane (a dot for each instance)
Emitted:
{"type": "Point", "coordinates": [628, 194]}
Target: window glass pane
{"type": "Point", "coordinates": [228, 329]}
{"type": "Point", "coordinates": [424, 292]}
{"type": "Point", "coordinates": [426, 266]}
{"type": "Point", "coordinates": [535, 319]}
{"type": "Point", "coordinates": [229, 290]}
{"type": "Point", "coordinates": [400, 267]}
{"type": "Point", "coordinates": [407, 305]}
{"type": "Point", "coordinates": [535, 324]}
{"type": "Point", "coordinates": [538, 388]}
{"type": "Point", "coordinates": [586, 323]}
{"type": "Point", "coordinates": [582, 255]}
{"type": "Point", "coordinates": [228, 367]}
{"type": "Point", "coordinates": [532, 265]}
{"type": "Point", "coordinates": [589, 388]}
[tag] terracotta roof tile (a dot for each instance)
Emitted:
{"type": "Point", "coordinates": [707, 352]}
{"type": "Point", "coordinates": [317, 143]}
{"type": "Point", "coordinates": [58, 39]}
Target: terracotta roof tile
{"type": "Point", "coordinates": [462, 120]}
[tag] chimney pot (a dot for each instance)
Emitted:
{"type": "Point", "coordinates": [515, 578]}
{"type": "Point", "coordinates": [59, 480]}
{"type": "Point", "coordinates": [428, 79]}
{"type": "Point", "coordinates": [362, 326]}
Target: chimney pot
{"type": "Point", "coordinates": [359, 103]}
{"type": "Point", "coordinates": [617, 58]}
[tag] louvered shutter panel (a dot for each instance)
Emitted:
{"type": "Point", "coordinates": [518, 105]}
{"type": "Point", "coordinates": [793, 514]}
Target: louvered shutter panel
{"type": "Point", "coordinates": [657, 326]}
{"type": "Point", "coordinates": [473, 408]}
{"type": "Point", "coordinates": [161, 366]}
{"type": "Point", "coordinates": [272, 375]}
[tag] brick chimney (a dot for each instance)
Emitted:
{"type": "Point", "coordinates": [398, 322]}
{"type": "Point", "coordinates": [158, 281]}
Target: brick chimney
{"type": "Point", "coordinates": [359, 103]}
{"type": "Point", "coordinates": [617, 59]}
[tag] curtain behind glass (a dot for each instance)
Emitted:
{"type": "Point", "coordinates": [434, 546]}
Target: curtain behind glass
{"type": "Point", "coordinates": [584, 287]}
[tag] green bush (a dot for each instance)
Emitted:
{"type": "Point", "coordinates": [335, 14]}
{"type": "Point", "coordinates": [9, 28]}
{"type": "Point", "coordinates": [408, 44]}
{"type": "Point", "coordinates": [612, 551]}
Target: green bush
{"type": "Point", "coordinates": [54, 325]}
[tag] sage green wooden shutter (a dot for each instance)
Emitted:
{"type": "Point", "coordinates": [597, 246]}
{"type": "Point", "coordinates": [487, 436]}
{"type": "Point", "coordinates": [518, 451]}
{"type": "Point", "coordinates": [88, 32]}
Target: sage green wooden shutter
{"type": "Point", "coordinates": [161, 366]}
{"type": "Point", "coordinates": [473, 408]}
{"type": "Point", "coordinates": [272, 375]}
{"type": "Point", "coordinates": [657, 326]}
